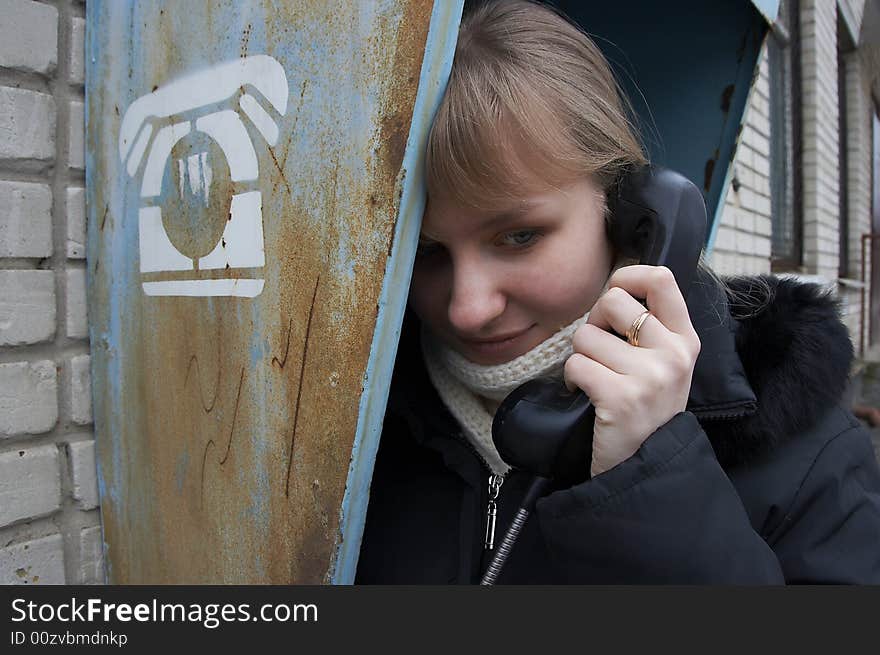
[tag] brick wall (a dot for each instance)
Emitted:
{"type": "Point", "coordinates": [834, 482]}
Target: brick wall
{"type": "Point", "coordinates": [742, 240]}
{"type": "Point", "coordinates": [49, 518]}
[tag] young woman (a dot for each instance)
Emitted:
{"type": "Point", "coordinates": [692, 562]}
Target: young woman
{"type": "Point", "coordinates": [720, 451]}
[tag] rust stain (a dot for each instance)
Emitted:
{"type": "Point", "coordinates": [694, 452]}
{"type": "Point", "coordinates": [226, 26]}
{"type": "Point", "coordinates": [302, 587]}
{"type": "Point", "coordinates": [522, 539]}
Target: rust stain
{"type": "Point", "coordinates": [707, 174]}
{"type": "Point", "coordinates": [245, 38]}
{"type": "Point", "coordinates": [396, 116]}
{"type": "Point", "coordinates": [302, 369]}
{"type": "Point", "coordinates": [727, 97]}
{"type": "Point", "coordinates": [709, 170]}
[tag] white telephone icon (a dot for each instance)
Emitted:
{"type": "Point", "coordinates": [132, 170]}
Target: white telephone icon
{"type": "Point", "coordinates": [197, 106]}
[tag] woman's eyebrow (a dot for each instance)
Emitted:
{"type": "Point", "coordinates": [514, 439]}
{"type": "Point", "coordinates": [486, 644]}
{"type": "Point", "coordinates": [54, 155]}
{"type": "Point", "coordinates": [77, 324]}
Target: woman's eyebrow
{"type": "Point", "coordinates": [509, 215]}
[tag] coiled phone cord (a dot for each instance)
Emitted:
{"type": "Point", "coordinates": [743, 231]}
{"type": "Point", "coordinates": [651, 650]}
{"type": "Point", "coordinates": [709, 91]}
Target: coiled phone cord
{"type": "Point", "coordinates": [536, 490]}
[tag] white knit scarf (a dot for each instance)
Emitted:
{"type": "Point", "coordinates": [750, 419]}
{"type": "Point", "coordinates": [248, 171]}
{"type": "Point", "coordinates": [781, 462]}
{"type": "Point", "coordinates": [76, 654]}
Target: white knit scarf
{"type": "Point", "coordinates": [460, 383]}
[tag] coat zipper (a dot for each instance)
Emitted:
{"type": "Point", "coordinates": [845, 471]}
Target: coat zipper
{"type": "Point", "coordinates": [495, 482]}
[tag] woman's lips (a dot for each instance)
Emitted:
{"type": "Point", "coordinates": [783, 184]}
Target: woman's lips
{"type": "Point", "coordinates": [496, 350]}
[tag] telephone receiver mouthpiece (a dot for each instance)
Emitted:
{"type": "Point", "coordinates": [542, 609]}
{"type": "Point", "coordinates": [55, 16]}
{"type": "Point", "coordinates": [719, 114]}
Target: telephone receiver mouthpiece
{"type": "Point", "coordinates": [545, 429]}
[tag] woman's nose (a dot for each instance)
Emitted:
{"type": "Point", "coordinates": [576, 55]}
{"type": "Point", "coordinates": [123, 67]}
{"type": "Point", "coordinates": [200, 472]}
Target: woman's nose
{"type": "Point", "coordinates": [476, 298]}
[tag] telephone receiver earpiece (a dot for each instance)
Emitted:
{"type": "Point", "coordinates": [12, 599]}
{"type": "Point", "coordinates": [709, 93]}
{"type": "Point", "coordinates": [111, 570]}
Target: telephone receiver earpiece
{"type": "Point", "coordinates": [658, 217]}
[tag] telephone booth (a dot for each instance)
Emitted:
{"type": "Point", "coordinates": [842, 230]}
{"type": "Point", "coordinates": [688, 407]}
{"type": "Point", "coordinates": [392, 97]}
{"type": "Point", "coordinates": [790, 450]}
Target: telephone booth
{"type": "Point", "coordinates": [254, 192]}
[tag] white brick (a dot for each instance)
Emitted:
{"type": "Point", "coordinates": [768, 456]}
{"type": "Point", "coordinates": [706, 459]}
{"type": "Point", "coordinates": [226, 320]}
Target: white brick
{"type": "Point", "coordinates": [725, 238]}
{"type": "Point", "coordinates": [77, 50]}
{"type": "Point", "coordinates": [762, 246]}
{"type": "Point", "coordinates": [77, 140]}
{"type": "Point", "coordinates": [27, 307]}
{"type": "Point", "coordinates": [80, 390]}
{"type": "Point", "coordinates": [91, 553]}
{"type": "Point", "coordinates": [76, 223]}
{"type": "Point", "coordinates": [83, 473]}
{"type": "Point", "coordinates": [745, 221]}
{"type": "Point", "coordinates": [77, 321]}
{"type": "Point", "coordinates": [745, 243]}
{"type": "Point", "coordinates": [747, 198]}
{"type": "Point", "coordinates": [27, 124]}
{"type": "Point", "coordinates": [28, 36]}
{"type": "Point", "coordinates": [25, 219]}
{"type": "Point", "coordinates": [762, 166]}
{"type": "Point", "coordinates": [40, 561]}
{"type": "Point", "coordinates": [30, 483]}
{"type": "Point", "coordinates": [28, 397]}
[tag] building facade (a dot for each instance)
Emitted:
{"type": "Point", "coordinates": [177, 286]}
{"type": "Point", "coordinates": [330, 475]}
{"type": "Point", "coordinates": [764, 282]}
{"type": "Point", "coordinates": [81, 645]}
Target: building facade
{"type": "Point", "coordinates": [803, 198]}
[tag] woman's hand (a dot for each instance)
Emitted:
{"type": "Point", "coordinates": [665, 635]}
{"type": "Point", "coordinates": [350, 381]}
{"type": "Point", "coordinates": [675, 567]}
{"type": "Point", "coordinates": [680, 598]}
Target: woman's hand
{"type": "Point", "coordinates": [635, 389]}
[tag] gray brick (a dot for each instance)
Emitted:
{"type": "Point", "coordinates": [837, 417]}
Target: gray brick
{"type": "Point", "coordinates": [83, 473]}
{"type": "Point", "coordinates": [28, 36]}
{"type": "Point", "coordinates": [27, 124]}
{"type": "Point", "coordinates": [80, 390]}
{"type": "Point", "coordinates": [27, 307]}
{"type": "Point", "coordinates": [77, 139]}
{"type": "Point", "coordinates": [91, 552]}
{"type": "Point", "coordinates": [28, 397]}
{"type": "Point", "coordinates": [30, 483]}
{"type": "Point", "coordinates": [25, 219]}
{"type": "Point", "coordinates": [76, 223]}
{"type": "Point", "coordinates": [77, 321]}
{"type": "Point", "coordinates": [77, 50]}
{"type": "Point", "coordinates": [40, 561]}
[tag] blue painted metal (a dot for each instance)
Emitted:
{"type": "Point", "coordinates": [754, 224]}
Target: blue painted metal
{"type": "Point", "coordinates": [688, 67]}
{"type": "Point", "coordinates": [435, 72]}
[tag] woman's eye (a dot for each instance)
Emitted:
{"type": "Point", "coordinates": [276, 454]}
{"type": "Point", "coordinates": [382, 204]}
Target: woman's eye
{"type": "Point", "coordinates": [520, 238]}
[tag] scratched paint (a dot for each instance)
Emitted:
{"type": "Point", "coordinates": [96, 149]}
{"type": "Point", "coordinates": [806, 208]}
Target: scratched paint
{"type": "Point", "coordinates": [236, 277]}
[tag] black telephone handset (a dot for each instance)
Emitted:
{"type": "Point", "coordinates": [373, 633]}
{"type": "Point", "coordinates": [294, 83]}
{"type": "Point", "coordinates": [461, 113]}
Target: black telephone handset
{"type": "Point", "coordinates": [658, 217]}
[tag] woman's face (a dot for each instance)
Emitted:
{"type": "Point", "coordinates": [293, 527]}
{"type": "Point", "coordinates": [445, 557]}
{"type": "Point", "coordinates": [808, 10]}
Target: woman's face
{"type": "Point", "coordinates": [494, 284]}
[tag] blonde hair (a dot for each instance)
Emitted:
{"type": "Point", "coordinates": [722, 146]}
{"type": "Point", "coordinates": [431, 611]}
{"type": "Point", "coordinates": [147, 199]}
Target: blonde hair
{"type": "Point", "coordinates": [531, 101]}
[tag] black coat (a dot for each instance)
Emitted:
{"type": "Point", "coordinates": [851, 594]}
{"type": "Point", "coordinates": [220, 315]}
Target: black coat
{"type": "Point", "coordinates": [765, 479]}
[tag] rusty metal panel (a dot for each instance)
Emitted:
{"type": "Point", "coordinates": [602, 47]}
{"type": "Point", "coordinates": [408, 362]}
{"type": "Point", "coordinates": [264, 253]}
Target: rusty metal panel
{"type": "Point", "coordinates": [253, 192]}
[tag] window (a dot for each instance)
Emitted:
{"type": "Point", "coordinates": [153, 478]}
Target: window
{"type": "Point", "coordinates": [783, 58]}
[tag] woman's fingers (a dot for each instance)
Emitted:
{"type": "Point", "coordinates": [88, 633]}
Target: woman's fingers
{"type": "Point", "coordinates": [616, 310]}
{"type": "Point", "coordinates": [657, 285]}
{"type": "Point", "coordinates": [609, 350]}
{"type": "Point", "coordinates": [593, 378]}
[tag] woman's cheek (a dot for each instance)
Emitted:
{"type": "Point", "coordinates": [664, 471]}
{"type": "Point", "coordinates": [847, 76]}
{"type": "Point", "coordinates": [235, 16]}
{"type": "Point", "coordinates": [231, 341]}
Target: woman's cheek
{"type": "Point", "coordinates": [426, 288]}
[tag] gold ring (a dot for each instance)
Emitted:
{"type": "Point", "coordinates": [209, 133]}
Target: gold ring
{"type": "Point", "coordinates": [632, 335]}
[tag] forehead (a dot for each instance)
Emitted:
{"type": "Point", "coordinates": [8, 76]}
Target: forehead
{"type": "Point", "coordinates": [446, 214]}
{"type": "Point", "coordinates": [446, 217]}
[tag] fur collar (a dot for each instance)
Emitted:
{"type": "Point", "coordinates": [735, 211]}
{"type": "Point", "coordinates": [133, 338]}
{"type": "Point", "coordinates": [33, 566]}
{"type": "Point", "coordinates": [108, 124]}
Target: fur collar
{"type": "Point", "coordinates": [781, 358]}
